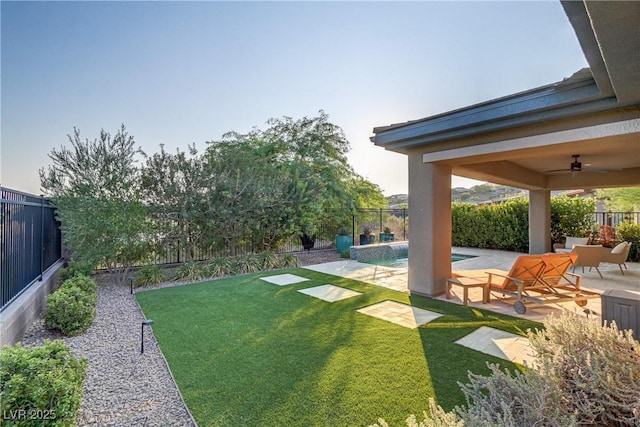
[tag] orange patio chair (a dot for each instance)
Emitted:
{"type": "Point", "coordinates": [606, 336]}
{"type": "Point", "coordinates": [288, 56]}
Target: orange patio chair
{"type": "Point", "coordinates": [540, 279]}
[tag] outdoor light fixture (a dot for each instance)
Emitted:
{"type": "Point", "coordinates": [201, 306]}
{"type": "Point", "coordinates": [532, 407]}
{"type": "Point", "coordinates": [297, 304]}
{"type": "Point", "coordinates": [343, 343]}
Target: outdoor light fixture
{"type": "Point", "coordinates": [146, 322]}
{"type": "Point", "coordinates": [131, 278]}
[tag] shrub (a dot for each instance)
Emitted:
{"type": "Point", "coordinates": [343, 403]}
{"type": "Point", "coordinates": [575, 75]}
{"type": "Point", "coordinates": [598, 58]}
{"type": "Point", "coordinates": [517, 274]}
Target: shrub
{"type": "Point", "coordinates": [629, 232]}
{"type": "Point", "coordinates": [586, 374]}
{"type": "Point", "coordinates": [248, 263]}
{"type": "Point", "coordinates": [85, 283]}
{"type": "Point", "coordinates": [343, 231]}
{"type": "Point", "coordinates": [502, 399]}
{"type": "Point", "coordinates": [502, 226]}
{"type": "Point", "coordinates": [75, 268]}
{"type": "Point", "coordinates": [268, 260]}
{"type": "Point", "coordinates": [218, 267]}
{"type": "Point", "coordinates": [190, 271]}
{"type": "Point", "coordinates": [505, 226]}
{"type": "Point", "coordinates": [70, 310]}
{"type": "Point", "coordinates": [346, 253]}
{"type": "Point", "coordinates": [41, 386]}
{"type": "Point", "coordinates": [439, 418]}
{"type": "Point", "coordinates": [289, 260]}
{"type": "Point", "coordinates": [595, 369]}
{"type": "Point", "coordinates": [571, 216]}
{"type": "Point", "coordinates": [149, 275]}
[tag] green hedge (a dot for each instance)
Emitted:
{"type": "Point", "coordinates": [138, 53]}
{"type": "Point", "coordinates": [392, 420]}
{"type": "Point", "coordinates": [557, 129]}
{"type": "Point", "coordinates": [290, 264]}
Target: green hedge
{"type": "Point", "coordinates": [74, 269]}
{"type": "Point", "coordinates": [571, 216]}
{"type": "Point", "coordinates": [505, 226]}
{"type": "Point", "coordinates": [40, 386]}
{"type": "Point", "coordinates": [72, 308]}
{"type": "Point", "coordinates": [631, 233]}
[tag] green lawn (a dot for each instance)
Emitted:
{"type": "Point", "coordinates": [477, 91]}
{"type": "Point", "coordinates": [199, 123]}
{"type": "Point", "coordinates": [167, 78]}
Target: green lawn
{"type": "Point", "coordinates": [247, 352]}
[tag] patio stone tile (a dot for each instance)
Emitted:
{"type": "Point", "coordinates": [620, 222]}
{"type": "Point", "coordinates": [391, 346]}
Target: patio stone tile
{"type": "Point", "coordinates": [330, 293]}
{"type": "Point", "coordinates": [284, 279]}
{"type": "Point", "coordinates": [504, 345]}
{"type": "Point", "coordinates": [400, 314]}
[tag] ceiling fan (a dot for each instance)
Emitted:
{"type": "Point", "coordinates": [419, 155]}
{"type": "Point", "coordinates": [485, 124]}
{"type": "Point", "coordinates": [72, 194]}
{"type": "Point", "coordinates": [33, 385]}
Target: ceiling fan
{"type": "Point", "coordinates": [576, 167]}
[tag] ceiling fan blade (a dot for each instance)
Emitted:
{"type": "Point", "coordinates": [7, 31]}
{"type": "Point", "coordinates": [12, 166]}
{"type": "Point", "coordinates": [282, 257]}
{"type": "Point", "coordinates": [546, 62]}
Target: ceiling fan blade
{"type": "Point", "coordinates": [557, 171]}
{"type": "Point", "coordinates": [600, 170]}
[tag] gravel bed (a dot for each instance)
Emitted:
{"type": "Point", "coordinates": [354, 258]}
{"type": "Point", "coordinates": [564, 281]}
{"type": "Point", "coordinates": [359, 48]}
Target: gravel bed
{"type": "Point", "coordinates": [124, 387]}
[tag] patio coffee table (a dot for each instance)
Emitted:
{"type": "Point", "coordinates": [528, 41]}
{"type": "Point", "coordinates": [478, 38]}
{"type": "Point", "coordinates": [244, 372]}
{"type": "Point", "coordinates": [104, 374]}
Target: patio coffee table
{"type": "Point", "coordinates": [471, 279]}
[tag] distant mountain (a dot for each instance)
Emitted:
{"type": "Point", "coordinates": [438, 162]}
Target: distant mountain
{"type": "Point", "coordinates": [483, 193]}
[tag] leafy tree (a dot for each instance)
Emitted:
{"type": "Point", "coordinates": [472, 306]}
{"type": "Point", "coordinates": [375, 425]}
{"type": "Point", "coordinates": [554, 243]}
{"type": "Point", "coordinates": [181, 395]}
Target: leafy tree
{"type": "Point", "coordinates": [625, 199]}
{"type": "Point", "coordinates": [247, 202]}
{"type": "Point", "coordinates": [312, 153]}
{"type": "Point", "coordinates": [285, 179]}
{"type": "Point", "coordinates": [365, 194]}
{"type": "Point", "coordinates": [95, 187]}
{"type": "Point", "coordinates": [175, 188]}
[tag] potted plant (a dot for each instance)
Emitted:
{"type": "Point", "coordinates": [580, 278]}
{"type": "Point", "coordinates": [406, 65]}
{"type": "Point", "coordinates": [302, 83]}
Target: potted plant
{"type": "Point", "coordinates": [386, 235]}
{"type": "Point", "coordinates": [366, 237]}
{"type": "Point", "coordinates": [344, 239]}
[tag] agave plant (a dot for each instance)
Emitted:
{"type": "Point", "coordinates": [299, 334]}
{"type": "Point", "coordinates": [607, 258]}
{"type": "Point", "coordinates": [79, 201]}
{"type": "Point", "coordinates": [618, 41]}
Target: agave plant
{"type": "Point", "coordinates": [189, 271]}
{"type": "Point", "coordinates": [149, 275]}
{"type": "Point", "coordinates": [248, 263]}
{"type": "Point", "coordinates": [218, 267]}
{"type": "Point", "coordinates": [268, 261]}
{"type": "Point", "coordinates": [289, 260]}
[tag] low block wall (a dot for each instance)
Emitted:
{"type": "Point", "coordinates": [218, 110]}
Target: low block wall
{"type": "Point", "coordinates": [382, 251]}
{"type": "Point", "coordinates": [17, 317]}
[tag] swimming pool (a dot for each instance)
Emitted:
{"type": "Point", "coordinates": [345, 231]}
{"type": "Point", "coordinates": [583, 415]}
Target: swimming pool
{"type": "Point", "coordinates": [404, 262]}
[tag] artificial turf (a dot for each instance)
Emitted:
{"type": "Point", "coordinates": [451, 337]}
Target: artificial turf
{"type": "Point", "coordinates": [247, 352]}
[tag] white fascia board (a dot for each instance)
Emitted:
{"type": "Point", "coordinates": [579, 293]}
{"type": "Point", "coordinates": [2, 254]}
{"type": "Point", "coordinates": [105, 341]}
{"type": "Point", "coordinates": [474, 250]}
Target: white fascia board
{"type": "Point", "coordinates": [535, 141]}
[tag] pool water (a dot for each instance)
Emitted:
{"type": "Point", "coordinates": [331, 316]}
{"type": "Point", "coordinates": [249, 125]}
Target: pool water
{"type": "Point", "coordinates": [404, 262]}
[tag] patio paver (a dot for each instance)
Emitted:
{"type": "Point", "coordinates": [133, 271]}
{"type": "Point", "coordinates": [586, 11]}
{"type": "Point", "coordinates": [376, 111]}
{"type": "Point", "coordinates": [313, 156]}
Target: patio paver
{"type": "Point", "coordinates": [400, 314]}
{"type": "Point", "coordinates": [330, 293]}
{"type": "Point", "coordinates": [284, 279]}
{"type": "Point", "coordinates": [504, 345]}
{"type": "Point", "coordinates": [396, 279]}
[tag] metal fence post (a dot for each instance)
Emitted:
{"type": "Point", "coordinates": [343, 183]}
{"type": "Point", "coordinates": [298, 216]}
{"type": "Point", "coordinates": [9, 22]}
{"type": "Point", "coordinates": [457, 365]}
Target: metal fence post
{"type": "Point", "coordinates": [404, 224]}
{"type": "Point", "coordinates": [41, 237]}
{"type": "Point", "coordinates": [353, 230]}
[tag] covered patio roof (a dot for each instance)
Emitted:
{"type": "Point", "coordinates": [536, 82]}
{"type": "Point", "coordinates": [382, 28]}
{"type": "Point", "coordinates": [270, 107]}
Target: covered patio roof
{"type": "Point", "coordinates": [528, 140]}
{"type": "Point", "coordinates": [519, 139]}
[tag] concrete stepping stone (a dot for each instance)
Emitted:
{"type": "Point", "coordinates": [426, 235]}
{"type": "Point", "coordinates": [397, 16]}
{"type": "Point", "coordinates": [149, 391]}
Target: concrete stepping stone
{"type": "Point", "coordinates": [400, 314]}
{"type": "Point", "coordinates": [284, 279]}
{"type": "Point", "coordinates": [329, 293]}
{"type": "Point", "coordinates": [504, 345]}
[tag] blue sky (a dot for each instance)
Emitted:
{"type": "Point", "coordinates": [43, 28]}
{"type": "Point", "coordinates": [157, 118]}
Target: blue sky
{"type": "Point", "coordinates": [177, 73]}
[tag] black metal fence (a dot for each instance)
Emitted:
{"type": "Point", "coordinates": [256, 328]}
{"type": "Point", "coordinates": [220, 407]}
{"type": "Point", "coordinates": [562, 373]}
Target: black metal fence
{"type": "Point", "coordinates": [174, 252]}
{"type": "Point", "coordinates": [397, 222]}
{"type": "Point", "coordinates": [30, 241]}
{"type": "Point", "coordinates": [616, 218]}
{"type": "Point", "coordinates": [381, 225]}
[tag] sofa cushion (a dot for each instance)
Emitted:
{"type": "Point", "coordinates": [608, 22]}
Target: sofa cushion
{"type": "Point", "coordinates": [619, 248]}
{"type": "Point", "coordinates": [572, 241]}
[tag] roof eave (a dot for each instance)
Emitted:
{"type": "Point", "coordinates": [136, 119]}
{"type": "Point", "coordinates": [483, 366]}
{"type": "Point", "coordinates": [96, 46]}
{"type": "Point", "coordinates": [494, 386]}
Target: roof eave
{"type": "Point", "coordinates": [569, 97]}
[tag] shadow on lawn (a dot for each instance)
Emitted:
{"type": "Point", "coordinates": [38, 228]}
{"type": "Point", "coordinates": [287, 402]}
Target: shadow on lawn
{"type": "Point", "coordinates": [248, 352]}
{"type": "Point", "coordinates": [244, 351]}
{"type": "Point", "coordinates": [448, 362]}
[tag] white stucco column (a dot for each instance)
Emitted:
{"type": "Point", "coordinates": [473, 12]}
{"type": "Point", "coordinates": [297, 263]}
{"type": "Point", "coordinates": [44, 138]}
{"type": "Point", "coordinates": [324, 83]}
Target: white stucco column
{"type": "Point", "coordinates": [429, 226]}
{"type": "Point", "coordinates": [539, 221]}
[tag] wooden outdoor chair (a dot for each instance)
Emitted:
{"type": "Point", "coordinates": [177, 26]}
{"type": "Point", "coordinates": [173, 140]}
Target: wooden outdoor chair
{"type": "Point", "coordinates": [539, 279]}
{"type": "Point", "coordinates": [524, 274]}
